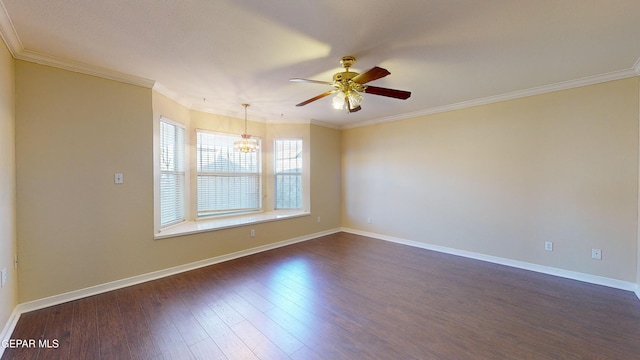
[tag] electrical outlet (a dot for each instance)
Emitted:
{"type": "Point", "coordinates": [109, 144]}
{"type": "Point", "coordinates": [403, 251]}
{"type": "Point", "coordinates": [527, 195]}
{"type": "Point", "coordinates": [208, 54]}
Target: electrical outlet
{"type": "Point", "coordinates": [3, 277]}
{"type": "Point", "coordinates": [596, 254]}
{"type": "Point", "coordinates": [548, 245]}
{"type": "Point", "coordinates": [318, 218]}
{"type": "Point", "coordinates": [368, 220]}
{"type": "Point", "coordinates": [252, 233]}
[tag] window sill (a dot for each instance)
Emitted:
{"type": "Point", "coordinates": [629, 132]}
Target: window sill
{"type": "Point", "coordinates": [199, 226]}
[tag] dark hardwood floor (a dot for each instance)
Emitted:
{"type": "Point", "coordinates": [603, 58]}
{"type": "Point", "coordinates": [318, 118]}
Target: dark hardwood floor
{"type": "Point", "coordinates": [343, 296]}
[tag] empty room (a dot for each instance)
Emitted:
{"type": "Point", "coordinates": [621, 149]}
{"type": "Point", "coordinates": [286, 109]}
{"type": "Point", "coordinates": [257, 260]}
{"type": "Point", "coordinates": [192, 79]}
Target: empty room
{"type": "Point", "coordinates": [319, 179]}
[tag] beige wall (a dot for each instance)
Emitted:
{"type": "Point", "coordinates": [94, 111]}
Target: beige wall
{"type": "Point", "coordinates": [498, 179]}
{"type": "Point", "coordinates": [9, 293]}
{"type": "Point", "coordinates": [503, 178]}
{"type": "Point", "coordinates": [326, 182]}
{"type": "Point", "coordinates": [76, 227]}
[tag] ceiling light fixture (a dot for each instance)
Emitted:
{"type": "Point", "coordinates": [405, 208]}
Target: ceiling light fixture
{"type": "Point", "coordinates": [348, 86]}
{"type": "Point", "coordinates": [348, 99]}
{"type": "Point", "coordinates": [246, 144]}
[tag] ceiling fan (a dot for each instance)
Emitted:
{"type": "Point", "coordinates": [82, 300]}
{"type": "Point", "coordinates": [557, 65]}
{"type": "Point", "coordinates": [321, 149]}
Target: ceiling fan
{"type": "Point", "coordinates": [347, 85]}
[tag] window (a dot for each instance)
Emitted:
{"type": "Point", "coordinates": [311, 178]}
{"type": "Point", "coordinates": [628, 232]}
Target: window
{"type": "Point", "coordinates": [172, 174]}
{"type": "Point", "coordinates": [288, 173]}
{"type": "Point", "coordinates": [227, 181]}
{"type": "Point", "coordinates": [201, 184]}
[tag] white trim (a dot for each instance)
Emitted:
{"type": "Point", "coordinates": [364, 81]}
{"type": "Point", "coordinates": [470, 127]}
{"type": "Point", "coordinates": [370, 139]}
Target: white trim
{"type": "Point", "coordinates": [8, 328]}
{"type": "Point", "coordinates": [206, 224]}
{"type": "Point", "coordinates": [10, 36]}
{"type": "Point", "coordinates": [326, 124]}
{"type": "Point", "coordinates": [255, 117]}
{"type": "Point", "coordinates": [161, 89]}
{"type": "Point", "coordinates": [82, 68]}
{"type": "Point", "coordinates": [8, 33]}
{"type": "Point", "coordinates": [636, 67]}
{"type": "Point", "coordinates": [118, 284]}
{"type": "Point", "coordinates": [637, 291]}
{"type": "Point", "coordinates": [593, 279]}
{"type": "Point", "coordinates": [17, 50]}
{"type": "Point", "coordinates": [565, 85]}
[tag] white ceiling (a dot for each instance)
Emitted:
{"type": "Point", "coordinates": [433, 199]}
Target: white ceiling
{"type": "Point", "coordinates": [448, 53]}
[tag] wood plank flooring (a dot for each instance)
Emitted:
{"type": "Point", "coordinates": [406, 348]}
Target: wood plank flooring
{"type": "Point", "coordinates": [343, 296]}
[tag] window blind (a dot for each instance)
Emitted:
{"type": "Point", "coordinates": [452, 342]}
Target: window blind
{"type": "Point", "coordinates": [172, 173]}
{"type": "Point", "coordinates": [288, 173]}
{"type": "Point", "coordinates": [227, 181]}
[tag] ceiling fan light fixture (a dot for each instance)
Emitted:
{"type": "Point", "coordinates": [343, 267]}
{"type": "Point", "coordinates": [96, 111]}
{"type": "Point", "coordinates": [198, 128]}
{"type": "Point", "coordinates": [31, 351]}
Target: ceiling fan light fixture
{"type": "Point", "coordinates": [347, 85]}
{"type": "Point", "coordinates": [246, 144]}
{"type": "Point", "coordinates": [355, 99]}
{"type": "Point", "coordinates": [338, 101]}
{"type": "Point", "coordinates": [350, 100]}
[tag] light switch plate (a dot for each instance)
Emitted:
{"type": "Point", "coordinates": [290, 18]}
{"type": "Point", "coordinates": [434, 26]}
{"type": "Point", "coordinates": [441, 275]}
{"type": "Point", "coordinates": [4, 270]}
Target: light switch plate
{"type": "Point", "coordinates": [118, 178]}
{"type": "Point", "coordinates": [3, 277]}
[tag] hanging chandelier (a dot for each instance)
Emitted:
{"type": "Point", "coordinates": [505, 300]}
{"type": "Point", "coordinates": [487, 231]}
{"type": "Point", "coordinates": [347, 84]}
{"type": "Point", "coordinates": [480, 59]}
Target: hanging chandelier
{"type": "Point", "coordinates": [246, 144]}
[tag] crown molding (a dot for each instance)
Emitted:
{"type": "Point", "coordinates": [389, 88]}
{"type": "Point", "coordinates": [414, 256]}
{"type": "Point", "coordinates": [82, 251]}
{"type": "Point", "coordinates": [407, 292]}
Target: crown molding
{"type": "Point", "coordinates": [17, 50]}
{"type": "Point", "coordinates": [8, 32]}
{"type": "Point", "coordinates": [636, 67]}
{"type": "Point", "coordinates": [82, 68]}
{"type": "Point", "coordinates": [326, 124]}
{"type": "Point", "coordinates": [565, 85]}
{"type": "Point", "coordinates": [161, 89]}
{"type": "Point", "coordinates": [262, 118]}
{"type": "Point", "coordinates": [190, 105]}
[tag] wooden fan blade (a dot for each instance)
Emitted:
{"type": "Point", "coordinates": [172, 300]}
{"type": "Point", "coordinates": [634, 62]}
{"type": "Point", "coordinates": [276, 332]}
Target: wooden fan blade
{"type": "Point", "coordinates": [311, 81]}
{"type": "Point", "coordinates": [355, 109]}
{"type": "Point", "coordinates": [398, 94]}
{"type": "Point", "coordinates": [316, 97]}
{"type": "Point", "coordinates": [370, 75]}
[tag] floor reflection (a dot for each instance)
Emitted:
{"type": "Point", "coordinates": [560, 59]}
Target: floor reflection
{"type": "Point", "coordinates": [293, 289]}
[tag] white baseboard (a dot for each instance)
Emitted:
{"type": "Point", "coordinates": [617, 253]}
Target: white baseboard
{"type": "Point", "coordinates": [593, 279]}
{"type": "Point", "coordinates": [7, 330]}
{"type": "Point", "coordinates": [114, 285]}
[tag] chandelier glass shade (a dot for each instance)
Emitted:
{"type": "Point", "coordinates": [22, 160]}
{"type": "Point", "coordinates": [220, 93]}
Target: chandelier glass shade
{"type": "Point", "coordinates": [246, 144]}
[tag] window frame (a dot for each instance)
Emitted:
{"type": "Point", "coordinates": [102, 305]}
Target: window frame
{"type": "Point", "coordinates": [212, 213]}
{"type": "Point", "coordinates": [300, 174]}
{"type": "Point", "coordinates": [179, 150]}
{"type": "Point", "coordinates": [266, 133]}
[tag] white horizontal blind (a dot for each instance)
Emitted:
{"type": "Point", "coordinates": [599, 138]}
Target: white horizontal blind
{"type": "Point", "coordinates": [288, 173]}
{"type": "Point", "coordinates": [172, 174]}
{"type": "Point", "coordinates": [228, 181]}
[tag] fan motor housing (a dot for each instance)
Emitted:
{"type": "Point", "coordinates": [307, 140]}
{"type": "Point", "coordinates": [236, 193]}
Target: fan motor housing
{"type": "Point", "coordinates": [344, 76]}
{"type": "Point", "coordinates": [344, 82]}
